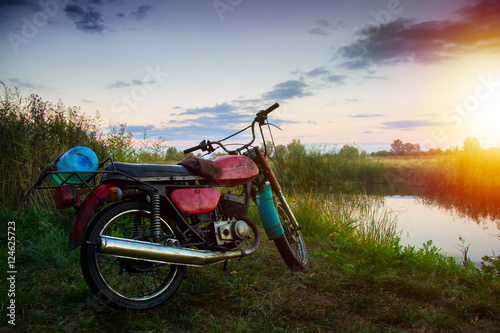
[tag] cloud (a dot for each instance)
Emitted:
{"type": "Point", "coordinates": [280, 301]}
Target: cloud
{"type": "Point", "coordinates": [412, 124]}
{"type": "Point", "coordinates": [356, 64]}
{"type": "Point", "coordinates": [338, 79]}
{"type": "Point", "coordinates": [25, 84]}
{"type": "Point", "coordinates": [324, 74]}
{"type": "Point", "coordinates": [224, 108]}
{"type": "Point", "coordinates": [320, 71]}
{"type": "Point", "coordinates": [33, 5]}
{"type": "Point", "coordinates": [211, 122]}
{"type": "Point", "coordinates": [141, 12]}
{"type": "Point", "coordinates": [405, 40]}
{"type": "Point", "coordinates": [220, 119]}
{"type": "Point", "coordinates": [287, 90]}
{"type": "Point", "coordinates": [318, 31]}
{"type": "Point", "coordinates": [86, 19]}
{"type": "Point", "coordinates": [126, 84]}
{"type": "Point", "coordinates": [325, 27]}
{"type": "Point", "coordinates": [365, 115]}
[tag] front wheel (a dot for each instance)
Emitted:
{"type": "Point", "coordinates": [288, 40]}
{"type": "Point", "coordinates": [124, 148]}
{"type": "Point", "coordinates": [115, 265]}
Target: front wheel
{"type": "Point", "coordinates": [291, 244]}
{"type": "Point", "coordinates": [125, 283]}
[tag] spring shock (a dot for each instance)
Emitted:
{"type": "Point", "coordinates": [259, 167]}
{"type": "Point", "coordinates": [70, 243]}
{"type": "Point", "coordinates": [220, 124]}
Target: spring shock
{"type": "Point", "coordinates": [137, 227]}
{"type": "Point", "coordinates": [155, 217]}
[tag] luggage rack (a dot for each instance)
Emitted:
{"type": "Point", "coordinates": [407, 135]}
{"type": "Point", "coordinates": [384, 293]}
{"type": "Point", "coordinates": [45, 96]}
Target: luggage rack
{"type": "Point", "coordinates": [90, 183]}
{"type": "Point", "coordinates": [84, 186]}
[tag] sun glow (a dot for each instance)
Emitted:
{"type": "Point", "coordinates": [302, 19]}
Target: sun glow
{"type": "Point", "coordinates": [487, 118]}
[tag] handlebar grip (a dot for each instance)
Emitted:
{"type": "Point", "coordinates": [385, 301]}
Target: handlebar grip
{"type": "Point", "coordinates": [202, 146]}
{"type": "Point", "coordinates": [270, 109]}
{"type": "Point", "coordinates": [189, 150]}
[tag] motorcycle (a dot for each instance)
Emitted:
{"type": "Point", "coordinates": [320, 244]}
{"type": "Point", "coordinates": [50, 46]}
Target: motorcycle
{"type": "Point", "coordinates": [139, 226]}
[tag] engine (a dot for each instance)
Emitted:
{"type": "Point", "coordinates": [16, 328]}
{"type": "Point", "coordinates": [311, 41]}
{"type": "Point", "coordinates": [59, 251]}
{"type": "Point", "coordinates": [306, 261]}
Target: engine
{"type": "Point", "coordinates": [230, 234]}
{"type": "Point", "coordinates": [227, 228]}
{"type": "Point", "coordinates": [232, 230]}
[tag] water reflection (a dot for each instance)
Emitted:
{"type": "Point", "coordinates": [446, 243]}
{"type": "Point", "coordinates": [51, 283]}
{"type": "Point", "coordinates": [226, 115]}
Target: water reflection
{"type": "Point", "coordinates": [452, 218]}
{"type": "Point", "coordinates": [475, 204]}
{"type": "Point", "coordinates": [451, 222]}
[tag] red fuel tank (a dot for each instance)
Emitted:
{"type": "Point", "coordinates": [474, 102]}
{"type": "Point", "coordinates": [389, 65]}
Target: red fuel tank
{"type": "Point", "coordinates": [236, 170]}
{"type": "Point", "coordinates": [195, 200]}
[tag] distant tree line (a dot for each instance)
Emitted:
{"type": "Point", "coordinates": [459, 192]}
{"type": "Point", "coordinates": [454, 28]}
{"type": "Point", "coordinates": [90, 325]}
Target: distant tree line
{"type": "Point", "coordinates": [398, 148]}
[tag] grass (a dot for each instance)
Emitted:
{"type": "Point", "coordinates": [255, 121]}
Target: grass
{"type": "Point", "coordinates": [358, 281]}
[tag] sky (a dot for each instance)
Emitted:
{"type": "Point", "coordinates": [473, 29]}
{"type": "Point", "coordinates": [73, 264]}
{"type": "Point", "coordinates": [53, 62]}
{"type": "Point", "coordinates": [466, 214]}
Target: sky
{"type": "Point", "coordinates": [359, 72]}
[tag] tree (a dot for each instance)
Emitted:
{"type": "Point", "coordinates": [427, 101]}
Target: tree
{"type": "Point", "coordinates": [380, 153]}
{"type": "Point", "coordinates": [471, 145]}
{"type": "Point", "coordinates": [173, 154]}
{"type": "Point", "coordinates": [296, 149]}
{"type": "Point", "coordinates": [349, 151]}
{"type": "Point", "coordinates": [400, 148]}
{"type": "Point", "coordinates": [397, 147]}
{"type": "Point", "coordinates": [411, 148]}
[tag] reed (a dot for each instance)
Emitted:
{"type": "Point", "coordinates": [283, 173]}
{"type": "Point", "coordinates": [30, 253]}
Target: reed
{"type": "Point", "coordinates": [33, 133]}
{"type": "Point", "coordinates": [343, 217]}
{"type": "Point", "coordinates": [315, 168]}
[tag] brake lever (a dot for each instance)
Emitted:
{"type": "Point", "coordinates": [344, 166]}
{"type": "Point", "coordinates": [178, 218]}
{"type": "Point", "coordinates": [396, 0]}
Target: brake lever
{"type": "Point", "coordinates": [268, 123]}
{"type": "Point", "coordinates": [208, 147]}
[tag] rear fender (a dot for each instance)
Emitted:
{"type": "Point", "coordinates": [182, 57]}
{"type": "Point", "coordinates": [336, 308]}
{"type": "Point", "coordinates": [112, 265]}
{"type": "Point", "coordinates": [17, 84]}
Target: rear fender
{"type": "Point", "coordinates": [82, 217]}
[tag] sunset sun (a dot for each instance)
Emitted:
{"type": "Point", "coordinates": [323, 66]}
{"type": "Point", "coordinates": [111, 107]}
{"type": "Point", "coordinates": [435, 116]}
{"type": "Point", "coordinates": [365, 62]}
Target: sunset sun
{"type": "Point", "coordinates": [487, 118]}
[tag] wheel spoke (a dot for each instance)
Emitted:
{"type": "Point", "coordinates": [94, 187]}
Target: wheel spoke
{"type": "Point", "coordinates": [132, 278]}
{"type": "Point", "coordinates": [291, 246]}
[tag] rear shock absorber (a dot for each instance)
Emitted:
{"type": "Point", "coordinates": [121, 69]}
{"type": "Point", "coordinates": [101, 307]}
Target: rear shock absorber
{"type": "Point", "coordinates": [155, 217]}
{"type": "Point", "coordinates": [137, 227]}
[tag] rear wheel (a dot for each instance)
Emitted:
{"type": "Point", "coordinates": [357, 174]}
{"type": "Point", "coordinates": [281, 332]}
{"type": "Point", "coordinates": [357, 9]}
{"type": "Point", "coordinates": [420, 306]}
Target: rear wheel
{"type": "Point", "coordinates": [125, 283]}
{"type": "Point", "coordinates": [290, 245]}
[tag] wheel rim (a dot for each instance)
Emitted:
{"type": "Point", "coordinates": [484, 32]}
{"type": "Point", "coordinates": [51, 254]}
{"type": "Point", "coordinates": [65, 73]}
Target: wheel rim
{"type": "Point", "coordinates": [292, 234]}
{"type": "Point", "coordinates": [133, 279]}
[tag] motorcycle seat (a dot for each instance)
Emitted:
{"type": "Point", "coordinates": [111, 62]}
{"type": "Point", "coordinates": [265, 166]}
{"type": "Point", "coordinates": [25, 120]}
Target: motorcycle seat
{"type": "Point", "coordinates": [146, 172]}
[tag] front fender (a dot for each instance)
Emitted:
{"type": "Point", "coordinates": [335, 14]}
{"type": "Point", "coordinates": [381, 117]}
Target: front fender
{"type": "Point", "coordinates": [91, 203]}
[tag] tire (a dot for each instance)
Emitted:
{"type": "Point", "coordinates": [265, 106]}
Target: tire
{"type": "Point", "coordinates": [128, 283]}
{"type": "Point", "coordinates": [290, 245]}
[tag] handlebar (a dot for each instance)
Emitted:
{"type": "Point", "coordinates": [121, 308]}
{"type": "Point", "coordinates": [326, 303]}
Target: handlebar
{"type": "Point", "coordinates": [269, 109]}
{"type": "Point", "coordinates": [201, 146]}
{"type": "Point", "coordinates": [260, 118]}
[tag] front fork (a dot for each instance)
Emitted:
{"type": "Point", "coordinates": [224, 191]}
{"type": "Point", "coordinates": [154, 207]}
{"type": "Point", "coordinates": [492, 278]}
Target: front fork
{"type": "Point", "coordinates": [265, 204]}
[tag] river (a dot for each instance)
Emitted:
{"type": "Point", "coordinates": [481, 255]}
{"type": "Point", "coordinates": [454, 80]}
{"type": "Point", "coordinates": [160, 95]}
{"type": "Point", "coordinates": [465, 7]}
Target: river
{"type": "Point", "coordinates": [452, 227]}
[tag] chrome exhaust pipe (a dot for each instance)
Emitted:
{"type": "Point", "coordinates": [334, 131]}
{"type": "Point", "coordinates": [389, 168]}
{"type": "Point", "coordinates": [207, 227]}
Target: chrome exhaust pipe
{"type": "Point", "coordinates": [129, 248]}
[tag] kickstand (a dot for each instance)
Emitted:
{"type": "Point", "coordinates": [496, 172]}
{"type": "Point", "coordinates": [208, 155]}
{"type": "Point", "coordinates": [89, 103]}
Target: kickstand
{"type": "Point", "coordinates": [224, 268]}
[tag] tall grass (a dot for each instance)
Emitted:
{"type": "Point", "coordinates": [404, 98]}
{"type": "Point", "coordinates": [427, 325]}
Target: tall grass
{"type": "Point", "coordinates": [34, 132]}
{"type": "Point", "coordinates": [342, 217]}
{"type": "Point", "coordinates": [315, 168]}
